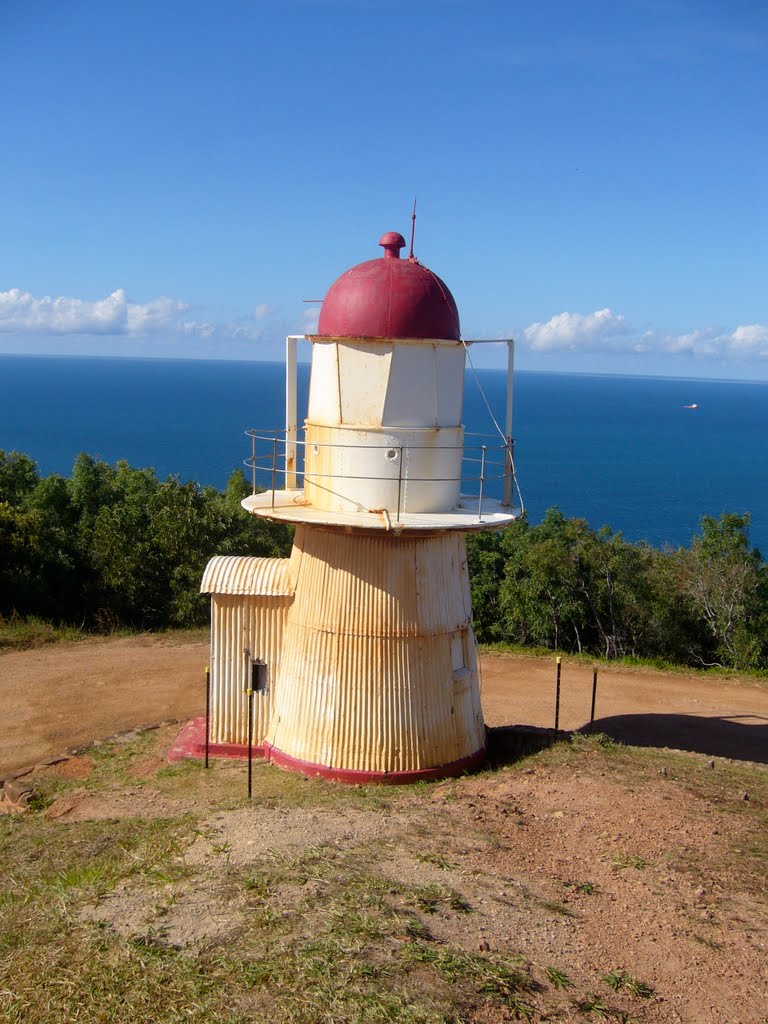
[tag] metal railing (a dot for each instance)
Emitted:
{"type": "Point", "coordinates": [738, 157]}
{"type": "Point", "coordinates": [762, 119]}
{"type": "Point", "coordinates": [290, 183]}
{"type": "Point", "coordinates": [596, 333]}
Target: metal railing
{"type": "Point", "coordinates": [487, 470]}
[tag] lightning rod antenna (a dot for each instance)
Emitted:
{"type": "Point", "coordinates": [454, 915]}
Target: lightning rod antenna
{"type": "Point", "coordinates": [413, 227]}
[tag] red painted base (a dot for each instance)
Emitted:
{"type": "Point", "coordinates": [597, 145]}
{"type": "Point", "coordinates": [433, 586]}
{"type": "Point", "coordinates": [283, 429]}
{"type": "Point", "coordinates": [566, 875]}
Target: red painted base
{"type": "Point", "coordinates": [191, 743]}
{"type": "Point", "coordinates": [403, 778]}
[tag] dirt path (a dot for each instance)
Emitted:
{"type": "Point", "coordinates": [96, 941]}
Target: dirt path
{"type": "Point", "coordinates": [70, 694]}
{"type": "Point", "coordinates": [721, 717]}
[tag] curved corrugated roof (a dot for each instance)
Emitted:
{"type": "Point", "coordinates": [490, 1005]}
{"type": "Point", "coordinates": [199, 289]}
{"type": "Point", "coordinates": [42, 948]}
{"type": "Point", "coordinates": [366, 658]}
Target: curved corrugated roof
{"type": "Point", "coordinates": [243, 574]}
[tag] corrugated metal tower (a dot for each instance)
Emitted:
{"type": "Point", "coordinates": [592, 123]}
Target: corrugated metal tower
{"type": "Point", "coordinates": [377, 675]}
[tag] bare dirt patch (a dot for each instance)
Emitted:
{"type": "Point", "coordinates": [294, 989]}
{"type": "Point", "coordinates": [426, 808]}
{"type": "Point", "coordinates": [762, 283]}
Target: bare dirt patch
{"type": "Point", "coordinates": [79, 767]}
{"type": "Point", "coordinates": [634, 874]}
{"type": "Point", "coordinates": [69, 695]}
{"type": "Point", "coordinates": [83, 805]}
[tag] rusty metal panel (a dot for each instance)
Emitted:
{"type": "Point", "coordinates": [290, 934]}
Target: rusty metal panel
{"type": "Point", "coordinates": [240, 574]}
{"type": "Point", "coordinates": [244, 629]}
{"type": "Point", "coordinates": [377, 383]}
{"type": "Point", "coordinates": [367, 680]}
{"type": "Point", "coordinates": [379, 584]}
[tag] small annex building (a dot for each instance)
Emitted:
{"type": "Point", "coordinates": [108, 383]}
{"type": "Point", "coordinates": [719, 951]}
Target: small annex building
{"type": "Point", "coordinates": [250, 598]}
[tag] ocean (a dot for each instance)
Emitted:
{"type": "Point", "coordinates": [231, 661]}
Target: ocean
{"type": "Point", "coordinates": [621, 451]}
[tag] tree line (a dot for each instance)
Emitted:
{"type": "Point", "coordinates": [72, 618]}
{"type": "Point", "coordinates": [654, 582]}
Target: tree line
{"type": "Point", "coordinates": [115, 546]}
{"type": "Point", "coordinates": [564, 586]}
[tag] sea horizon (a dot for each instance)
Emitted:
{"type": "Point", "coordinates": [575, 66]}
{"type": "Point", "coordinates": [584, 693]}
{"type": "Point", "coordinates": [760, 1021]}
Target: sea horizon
{"type": "Point", "coordinates": [615, 449]}
{"type": "Point", "coordinates": [305, 362]}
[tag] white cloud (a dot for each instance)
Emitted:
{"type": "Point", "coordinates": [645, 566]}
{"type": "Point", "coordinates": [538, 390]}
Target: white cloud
{"type": "Point", "coordinates": [748, 339]}
{"type": "Point", "coordinates": [605, 330]}
{"type": "Point", "coordinates": [200, 330]}
{"type": "Point", "coordinates": [689, 342]}
{"type": "Point", "coordinates": [115, 315]}
{"type": "Point", "coordinates": [22, 313]}
{"type": "Point", "coordinates": [153, 316]}
{"type": "Point", "coordinates": [576, 331]}
{"type": "Point", "coordinates": [744, 341]}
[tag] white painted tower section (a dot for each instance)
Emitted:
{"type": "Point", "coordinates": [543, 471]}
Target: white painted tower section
{"type": "Point", "coordinates": [384, 426]}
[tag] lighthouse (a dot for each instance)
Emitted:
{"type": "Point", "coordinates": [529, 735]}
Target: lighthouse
{"type": "Point", "coordinates": [360, 645]}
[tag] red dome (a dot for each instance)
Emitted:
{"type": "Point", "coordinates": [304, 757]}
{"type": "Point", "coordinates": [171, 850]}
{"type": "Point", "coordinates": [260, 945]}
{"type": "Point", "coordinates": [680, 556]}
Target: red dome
{"type": "Point", "coordinates": [389, 298]}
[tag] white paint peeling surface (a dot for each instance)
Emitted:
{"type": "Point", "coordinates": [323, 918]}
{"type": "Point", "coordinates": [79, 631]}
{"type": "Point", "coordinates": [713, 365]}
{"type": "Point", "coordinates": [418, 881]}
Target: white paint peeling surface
{"type": "Point", "coordinates": [367, 679]}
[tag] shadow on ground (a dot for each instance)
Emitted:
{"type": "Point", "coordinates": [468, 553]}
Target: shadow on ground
{"type": "Point", "coordinates": [718, 737]}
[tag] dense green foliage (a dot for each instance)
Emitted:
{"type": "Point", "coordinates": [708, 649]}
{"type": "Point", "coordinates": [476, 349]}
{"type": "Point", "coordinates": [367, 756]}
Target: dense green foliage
{"type": "Point", "coordinates": [565, 586]}
{"type": "Point", "coordinates": [114, 546]}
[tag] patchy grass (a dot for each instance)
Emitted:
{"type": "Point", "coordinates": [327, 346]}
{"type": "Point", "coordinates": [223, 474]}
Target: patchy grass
{"type": "Point", "coordinates": [348, 931]}
{"type": "Point", "coordinates": [623, 859]}
{"type": "Point", "coordinates": [557, 978]}
{"type": "Point", "coordinates": [324, 934]}
{"type": "Point", "coordinates": [585, 888]}
{"type": "Point", "coordinates": [503, 978]}
{"type": "Point", "coordinates": [21, 634]}
{"type": "Point", "coordinates": [437, 859]}
{"type": "Point", "coordinates": [720, 788]}
{"type": "Point", "coordinates": [593, 1004]}
{"type": "Point", "coordinates": [24, 633]}
{"type": "Point", "coordinates": [620, 981]}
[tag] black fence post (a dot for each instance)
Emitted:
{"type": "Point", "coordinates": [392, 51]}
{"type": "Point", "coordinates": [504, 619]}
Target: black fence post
{"type": "Point", "coordinates": [557, 696]}
{"type": "Point", "coordinates": [207, 712]}
{"type": "Point", "coordinates": [594, 695]}
{"type": "Point", "coordinates": [250, 742]}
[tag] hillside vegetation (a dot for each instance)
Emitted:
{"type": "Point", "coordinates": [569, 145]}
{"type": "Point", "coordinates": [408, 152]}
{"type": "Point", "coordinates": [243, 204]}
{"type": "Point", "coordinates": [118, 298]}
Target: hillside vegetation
{"type": "Point", "coordinates": [114, 546]}
{"type": "Point", "coordinates": [565, 586]}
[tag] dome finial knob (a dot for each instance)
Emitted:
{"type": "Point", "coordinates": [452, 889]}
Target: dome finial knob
{"type": "Point", "coordinates": [392, 242]}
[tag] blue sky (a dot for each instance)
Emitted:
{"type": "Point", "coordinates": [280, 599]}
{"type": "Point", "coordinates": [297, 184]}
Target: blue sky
{"type": "Point", "coordinates": [591, 176]}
